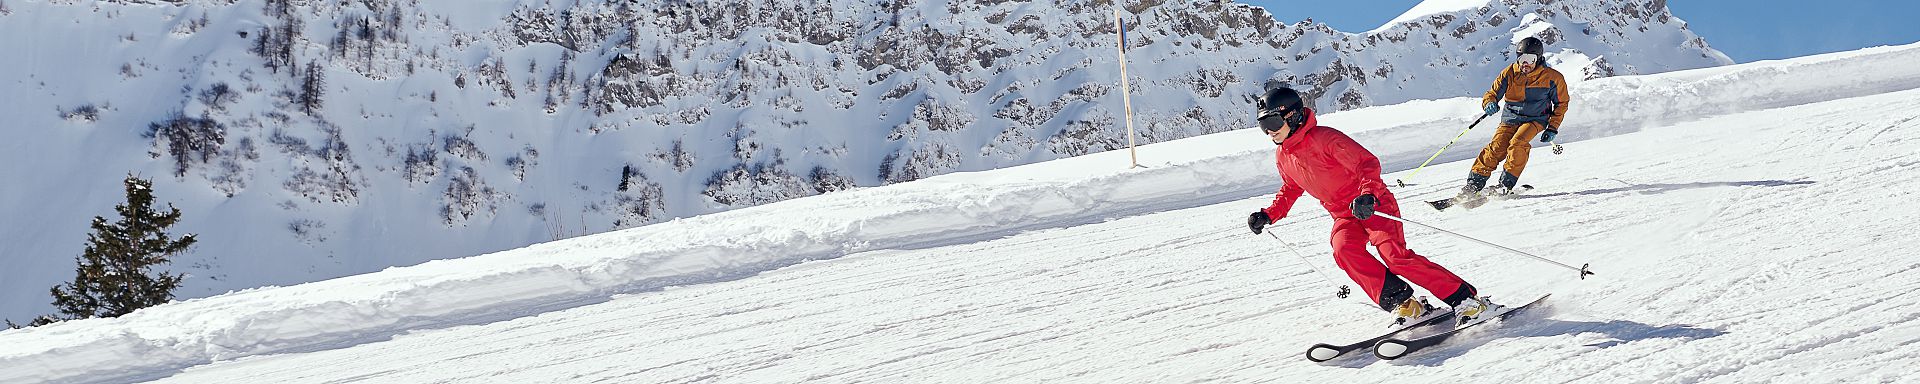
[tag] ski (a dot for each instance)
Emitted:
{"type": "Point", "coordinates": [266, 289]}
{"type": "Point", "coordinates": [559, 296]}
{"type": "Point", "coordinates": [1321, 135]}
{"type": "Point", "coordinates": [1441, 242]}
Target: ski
{"type": "Point", "coordinates": [1472, 201]}
{"type": "Point", "coordinates": [1323, 352]}
{"type": "Point", "coordinates": [1443, 204]}
{"type": "Point", "coordinates": [1391, 348]}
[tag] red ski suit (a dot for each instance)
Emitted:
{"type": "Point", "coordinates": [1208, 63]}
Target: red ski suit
{"type": "Point", "coordinates": [1325, 163]}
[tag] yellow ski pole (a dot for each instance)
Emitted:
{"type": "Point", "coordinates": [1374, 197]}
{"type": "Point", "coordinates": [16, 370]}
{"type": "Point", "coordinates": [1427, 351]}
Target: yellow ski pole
{"type": "Point", "coordinates": [1456, 138]}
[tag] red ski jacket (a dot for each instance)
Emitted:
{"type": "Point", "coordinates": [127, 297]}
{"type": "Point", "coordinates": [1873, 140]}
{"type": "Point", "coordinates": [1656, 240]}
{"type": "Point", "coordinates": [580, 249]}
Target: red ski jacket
{"type": "Point", "coordinates": [1325, 163]}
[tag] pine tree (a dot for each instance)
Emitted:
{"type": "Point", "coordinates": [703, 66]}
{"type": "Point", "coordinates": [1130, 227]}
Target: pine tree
{"type": "Point", "coordinates": [313, 89]}
{"type": "Point", "coordinates": [116, 272]}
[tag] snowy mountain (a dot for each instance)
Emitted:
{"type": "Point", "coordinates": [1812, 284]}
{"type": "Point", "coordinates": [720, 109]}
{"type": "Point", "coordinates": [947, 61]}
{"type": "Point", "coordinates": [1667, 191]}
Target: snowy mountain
{"type": "Point", "coordinates": [314, 139]}
{"type": "Point", "coordinates": [1738, 219]}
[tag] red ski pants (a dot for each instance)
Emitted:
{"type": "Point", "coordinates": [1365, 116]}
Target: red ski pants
{"type": "Point", "coordinates": [1350, 239]}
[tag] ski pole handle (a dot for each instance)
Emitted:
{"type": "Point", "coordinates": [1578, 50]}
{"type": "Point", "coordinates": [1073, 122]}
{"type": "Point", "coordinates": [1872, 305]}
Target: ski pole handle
{"type": "Point", "coordinates": [1582, 269]}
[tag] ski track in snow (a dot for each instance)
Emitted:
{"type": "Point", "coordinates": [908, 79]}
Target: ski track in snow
{"type": "Point", "coordinates": [1762, 243]}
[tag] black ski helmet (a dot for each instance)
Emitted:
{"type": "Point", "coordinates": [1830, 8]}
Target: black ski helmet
{"type": "Point", "coordinates": [1283, 102]}
{"type": "Point", "coordinates": [1531, 45]}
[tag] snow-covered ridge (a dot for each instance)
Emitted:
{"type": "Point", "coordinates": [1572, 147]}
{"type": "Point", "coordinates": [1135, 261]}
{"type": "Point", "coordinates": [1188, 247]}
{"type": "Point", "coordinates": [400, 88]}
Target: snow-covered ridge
{"type": "Point", "coordinates": [936, 210]}
{"type": "Point", "coordinates": [1429, 8]}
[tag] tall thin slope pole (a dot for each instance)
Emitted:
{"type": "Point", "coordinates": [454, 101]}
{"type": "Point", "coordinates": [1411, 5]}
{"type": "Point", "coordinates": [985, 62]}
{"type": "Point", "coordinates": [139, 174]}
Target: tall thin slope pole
{"type": "Point", "coordinates": [1126, 94]}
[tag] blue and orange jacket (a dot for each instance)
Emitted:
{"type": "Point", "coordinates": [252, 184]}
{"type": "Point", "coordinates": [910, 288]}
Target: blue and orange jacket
{"type": "Point", "coordinates": [1538, 96]}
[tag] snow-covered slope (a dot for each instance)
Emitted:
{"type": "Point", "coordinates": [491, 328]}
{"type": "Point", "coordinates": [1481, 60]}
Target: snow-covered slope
{"type": "Point", "coordinates": [1745, 241]}
{"type": "Point", "coordinates": [315, 139]}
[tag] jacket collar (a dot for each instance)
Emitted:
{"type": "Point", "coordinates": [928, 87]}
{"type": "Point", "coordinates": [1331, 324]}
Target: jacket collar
{"type": "Point", "coordinates": [1300, 135]}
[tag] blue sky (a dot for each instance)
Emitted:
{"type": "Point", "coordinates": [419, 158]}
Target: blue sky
{"type": "Point", "coordinates": [1746, 30]}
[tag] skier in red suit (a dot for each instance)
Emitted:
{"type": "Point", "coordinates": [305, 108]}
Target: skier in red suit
{"type": "Point", "coordinates": [1325, 163]}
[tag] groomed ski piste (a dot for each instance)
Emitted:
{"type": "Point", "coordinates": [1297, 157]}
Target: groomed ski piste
{"type": "Point", "coordinates": [1748, 223]}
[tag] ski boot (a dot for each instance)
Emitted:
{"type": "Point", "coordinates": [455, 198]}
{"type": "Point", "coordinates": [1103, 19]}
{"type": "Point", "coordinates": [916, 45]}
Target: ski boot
{"type": "Point", "coordinates": [1470, 197]}
{"type": "Point", "coordinates": [1509, 182]}
{"type": "Point", "coordinates": [1507, 186]}
{"type": "Point", "coordinates": [1413, 311]}
{"type": "Point", "coordinates": [1472, 308]}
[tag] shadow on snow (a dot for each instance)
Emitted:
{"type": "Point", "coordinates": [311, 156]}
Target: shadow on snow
{"type": "Point", "coordinates": [1613, 332]}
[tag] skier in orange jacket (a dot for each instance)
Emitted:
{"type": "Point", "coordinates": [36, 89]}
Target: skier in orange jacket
{"type": "Point", "coordinates": [1536, 103]}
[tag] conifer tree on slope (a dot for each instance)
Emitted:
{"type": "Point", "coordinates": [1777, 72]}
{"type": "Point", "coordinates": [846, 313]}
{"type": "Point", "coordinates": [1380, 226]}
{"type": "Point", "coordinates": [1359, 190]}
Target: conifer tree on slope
{"type": "Point", "coordinates": [116, 275]}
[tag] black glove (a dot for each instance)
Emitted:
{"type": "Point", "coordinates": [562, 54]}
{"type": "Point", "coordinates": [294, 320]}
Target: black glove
{"type": "Point", "coordinates": [1363, 206]}
{"type": "Point", "coordinates": [1547, 135]}
{"type": "Point", "coordinates": [1258, 221]}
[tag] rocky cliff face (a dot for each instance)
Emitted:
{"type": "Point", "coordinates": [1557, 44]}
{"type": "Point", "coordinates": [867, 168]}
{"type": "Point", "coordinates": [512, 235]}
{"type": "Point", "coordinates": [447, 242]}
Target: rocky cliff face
{"type": "Point", "coordinates": [967, 85]}
{"type": "Point", "coordinates": [354, 135]}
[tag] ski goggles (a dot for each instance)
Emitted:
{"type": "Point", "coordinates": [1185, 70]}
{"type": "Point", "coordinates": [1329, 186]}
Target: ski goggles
{"type": "Point", "coordinates": [1276, 122]}
{"type": "Point", "coordinates": [1272, 123]}
{"type": "Point", "coordinates": [1528, 59]}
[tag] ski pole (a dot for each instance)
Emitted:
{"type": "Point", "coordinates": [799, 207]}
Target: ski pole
{"type": "Point", "coordinates": [1456, 138]}
{"type": "Point", "coordinates": [1342, 293]}
{"type": "Point", "coordinates": [1582, 269]}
